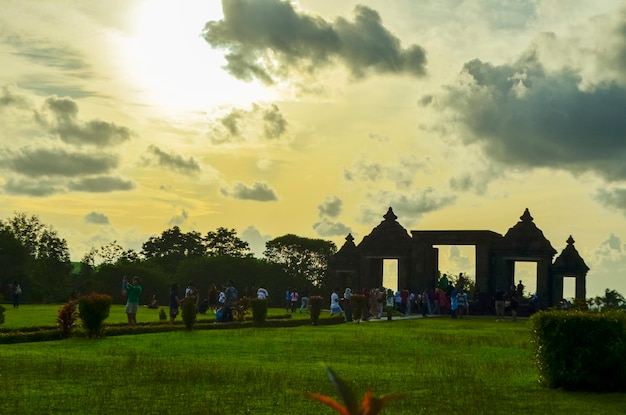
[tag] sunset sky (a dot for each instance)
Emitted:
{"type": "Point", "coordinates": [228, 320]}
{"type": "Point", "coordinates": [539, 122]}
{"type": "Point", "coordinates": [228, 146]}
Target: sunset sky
{"type": "Point", "coordinates": [122, 118]}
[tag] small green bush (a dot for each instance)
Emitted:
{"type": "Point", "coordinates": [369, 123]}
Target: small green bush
{"type": "Point", "coordinates": [581, 351]}
{"type": "Point", "coordinates": [162, 315]}
{"type": "Point", "coordinates": [315, 304]}
{"type": "Point", "coordinates": [189, 311]}
{"type": "Point", "coordinates": [259, 311]}
{"type": "Point", "coordinates": [93, 309]}
{"type": "Point", "coordinates": [2, 309]}
{"type": "Point", "coordinates": [66, 319]}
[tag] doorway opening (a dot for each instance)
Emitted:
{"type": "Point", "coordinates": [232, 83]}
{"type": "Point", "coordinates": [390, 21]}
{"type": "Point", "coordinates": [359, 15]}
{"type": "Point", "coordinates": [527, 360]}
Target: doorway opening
{"type": "Point", "coordinates": [390, 274]}
{"type": "Point", "coordinates": [527, 272]}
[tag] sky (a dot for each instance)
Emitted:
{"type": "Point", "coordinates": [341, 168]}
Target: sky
{"type": "Point", "coordinates": [121, 119]}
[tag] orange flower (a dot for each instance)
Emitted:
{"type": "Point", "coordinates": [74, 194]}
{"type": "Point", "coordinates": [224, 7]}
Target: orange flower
{"type": "Point", "coordinates": [371, 405]}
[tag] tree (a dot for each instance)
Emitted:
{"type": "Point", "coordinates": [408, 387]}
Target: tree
{"type": "Point", "coordinates": [611, 300]}
{"type": "Point", "coordinates": [225, 242]}
{"type": "Point", "coordinates": [172, 247]}
{"type": "Point", "coordinates": [302, 258]}
{"type": "Point", "coordinates": [49, 265]}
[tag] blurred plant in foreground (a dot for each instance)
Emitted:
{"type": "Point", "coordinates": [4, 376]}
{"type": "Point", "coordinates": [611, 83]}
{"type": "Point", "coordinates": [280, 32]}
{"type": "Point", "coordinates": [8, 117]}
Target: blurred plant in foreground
{"type": "Point", "coordinates": [371, 405]}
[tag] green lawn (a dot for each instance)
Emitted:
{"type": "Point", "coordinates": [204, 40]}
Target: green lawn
{"type": "Point", "coordinates": [444, 366]}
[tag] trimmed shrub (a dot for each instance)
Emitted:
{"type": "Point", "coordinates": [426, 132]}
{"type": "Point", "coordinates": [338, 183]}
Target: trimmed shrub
{"type": "Point", "coordinates": [581, 351]}
{"type": "Point", "coordinates": [359, 302]}
{"type": "Point", "coordinates": [66, 319]}
{"type": "Point", "coordinates": [189, 311]}
{"type": "Point", "coordinates": [2, 309]}
{"type": "Point", "coordinates": [93, 309]}
{"type": "Point", "coordinates": [241, 308]}
{"type": "Point", "coordinates": [315, 304]}
{"type": "Point", "coordinates": [259, 311]}
{"type": "Point", "coordinates": [162, 315]}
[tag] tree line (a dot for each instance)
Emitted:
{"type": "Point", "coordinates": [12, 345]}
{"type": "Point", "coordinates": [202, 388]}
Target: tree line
{"type": "Point", "coordinates": [33, 254]}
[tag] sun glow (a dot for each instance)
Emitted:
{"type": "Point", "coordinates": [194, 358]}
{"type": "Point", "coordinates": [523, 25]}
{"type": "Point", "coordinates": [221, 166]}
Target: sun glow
{"type": "Point", "coordinates": [174, 68]}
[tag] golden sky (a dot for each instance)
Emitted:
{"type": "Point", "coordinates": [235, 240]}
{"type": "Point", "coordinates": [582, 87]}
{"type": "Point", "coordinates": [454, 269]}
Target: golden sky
{"type": "Point", "coordinates": [123, 118]}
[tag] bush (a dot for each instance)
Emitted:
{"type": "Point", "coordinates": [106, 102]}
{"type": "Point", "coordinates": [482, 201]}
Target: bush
{"type": "Point", "coordinates": [315, 303]}
{"type": "Point", "coordinates": [259, 311]}
{"type": "Point", "coordinates": [66, 319]}
{"type": "Point", "coordinates": [189, 311]}
{"type": "Point", "coordinates": [2, 309]}
{"type": "Point", "coordinates": [162, 315]}
{"type": "Point", "coordinates": [241, 308]}
{"type": "Point", "coordinates": [93, 309]}
{"type": "Point", "coordinates": [581, 351]}
{"type": "Point", "coordinates": [359, 303]}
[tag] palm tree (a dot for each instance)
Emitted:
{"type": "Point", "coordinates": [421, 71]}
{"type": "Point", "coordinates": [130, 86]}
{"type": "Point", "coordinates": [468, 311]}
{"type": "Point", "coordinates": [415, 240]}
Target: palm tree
{"type": "Point", "coordinates": [611, 300]}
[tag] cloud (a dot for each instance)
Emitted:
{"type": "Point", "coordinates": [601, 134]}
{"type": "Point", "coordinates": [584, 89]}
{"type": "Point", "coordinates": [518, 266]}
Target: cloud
{"type": "Point", "coordinates": [409, 207]}
{"type": "Point", "coordinates": [57, 162]}
{"type": "Point", "coordinates": [8, 98]}
{"type": "Point", "coordinates": [404, 171]}
{"type": "Point", "coordinates": [331, 206]}
{"type": "Point", "coordinates": [35, 188]}
{"type": "Point", "coordinates": [275, 123]}
{"type": "Point", "coordinates": [256, 241]}
{"type": "Point", "coordinates": [525, 116]}
{"type": "Point", "coordinates": [613, 198]}
{"type": "Point", "coordinates": [101, 184]}
{"type": "Point", "coordinates": [97, 218]}
{"type": "Point", "coordinates": [327, 228]}
{"type": "Point", "coordinates": [44, 53]}
{"type": "Point", "coordinates": [173, 161]}
{"type": "Point", "coordinates": [363, 170]}
{"type": "Point", "coordinates": [178, 220]}
{"type": "Point", "coordinates": [240, 124]}
{"type": "Point", "coordinates": [270, 39]}
{"type": "Point", "coordinates": [60, 118]}
{"type": "Point", "coordinates": [462, 263]}
{"type": "Point", "coordinates": [260, 192]}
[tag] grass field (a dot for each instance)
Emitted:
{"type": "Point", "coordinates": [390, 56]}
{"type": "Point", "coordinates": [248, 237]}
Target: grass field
{"type": "Point", "coordinates": [444, 366]}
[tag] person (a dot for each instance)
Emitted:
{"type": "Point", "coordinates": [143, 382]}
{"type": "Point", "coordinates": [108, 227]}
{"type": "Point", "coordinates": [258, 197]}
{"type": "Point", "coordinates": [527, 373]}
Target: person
{"type": "Point", "coordinates": [174, 302]}
{"type": "Point", "coordinates": [230, 301]}
{"type": "Point", "coordinates": [380, 301]}
{"type": "Point", "coordinates": [499, 303]}
{"type": "Point", "coordinates": [124, 292]}
{"type": "Point", "coordinates": [520, 289]}
{"type": "Point", "coordinates": [192, 291]}
{"type": "Point", "coordinates": [304, 298]}
{"type": "Point", "coordinates": [133, 290]}
{"type": "Point", "coordinates": [425, 303]}
{"type": "Point", "coordinates": [335, 308]}
{"type": "Point", "coordinates": [288, 299]}
{"type": "Point", "coordinates": [463, 303]}
{"type": "Point", "coordinates": [347, 303]}
{"type": "Point", "coordinates": [514, 303]}
{"type": "Point", "coordinates": [154, 303]}
{"type": "Point", "coordinates": [454, 303]}
{"type": "Point", "coordinates": [294, 300]}
{"type": "Point", "coordinates": [213, 292]}
{"type": "Point", "coordinates": [16, 292]}
{"type": "Point", "coordinates": [262, 293]}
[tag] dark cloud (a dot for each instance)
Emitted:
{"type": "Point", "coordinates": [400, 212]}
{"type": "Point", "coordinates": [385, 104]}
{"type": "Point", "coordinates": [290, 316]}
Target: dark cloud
{"type": "Point", "coordinates": [60, 118]}
{"type": "Point", "coordinates": [178, 220]}
{"type": "Point", "coordinates": [97, 218]}
{"type": "Point", "coordinates": [35, 188]}
{"type": "Point", "coordinates": [328, 228]}
{"type": "Point", "coordinates": [613, 198]}
{"type": "Point", "coordinates": [173, 161]}
{"type": "Point", "coordinates": [58, 162]}
{"type": "Point", "coordinates": [240, 124]}
{"type": "Point", "coordinates": [524, 116]}
{"type": "Point", "coordinates": [409, 207]}
{"type": "Point", "coordinates": [260, 192]}
{"type": "Point", "coordinates": [364, 170]}
{"type": "Point", "coordinates": [331, 206]}
{"type": "Point", "coordinates": [8, 98]}
{"type": "Point", "coordinates": [267, 39]}
{"type": "Point", "coordinates": [101, 184]}
{"type": "Point", "coordinates": [44, 53]}
{"type": "Point", "coordinates": [275, 123]}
